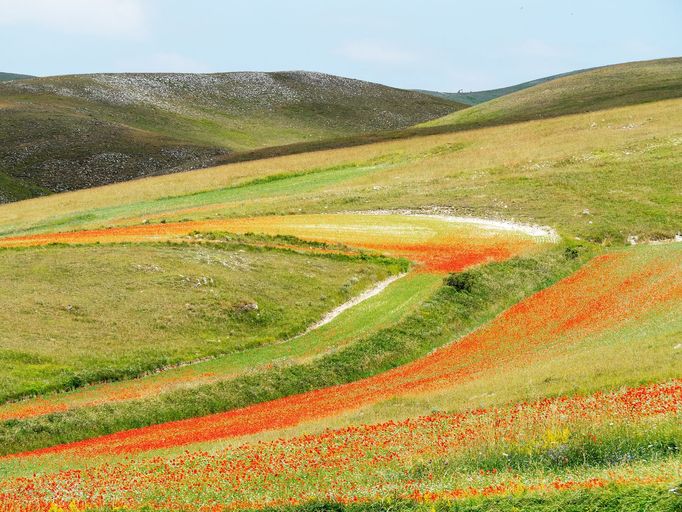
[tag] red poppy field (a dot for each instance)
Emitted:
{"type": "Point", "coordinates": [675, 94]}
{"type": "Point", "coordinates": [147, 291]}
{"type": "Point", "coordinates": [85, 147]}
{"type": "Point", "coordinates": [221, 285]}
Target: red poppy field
{"type": "Point", "coordinates": [598, 297]}
{"type": "Point", "coordinates": [397, 459]}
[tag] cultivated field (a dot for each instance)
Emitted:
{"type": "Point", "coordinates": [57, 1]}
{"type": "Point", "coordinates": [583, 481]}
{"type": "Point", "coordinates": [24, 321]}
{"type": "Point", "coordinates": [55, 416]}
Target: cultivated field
{"type": "Point", "coordinates": [483, 319]}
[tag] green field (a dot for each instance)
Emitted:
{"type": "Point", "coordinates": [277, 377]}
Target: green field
{"type": "Point", "coordinates": [581, 175]}
{"type": "Point", "coordinates": [85, 314]}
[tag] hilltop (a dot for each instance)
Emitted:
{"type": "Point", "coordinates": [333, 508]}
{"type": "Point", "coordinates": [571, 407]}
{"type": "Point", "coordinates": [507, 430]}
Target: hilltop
{"type": "Point", "coordinates": [70, 132]}
{"type": "Point", "coordinates": [476, 97]}
{"type": "Point", "coordinates": [596, 89]}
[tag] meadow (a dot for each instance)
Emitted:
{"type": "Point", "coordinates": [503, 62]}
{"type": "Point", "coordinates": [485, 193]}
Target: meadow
{"type": "Point", "coordinates": [82, 315]}
{"type": "Point", "coordinates": [521, 353]}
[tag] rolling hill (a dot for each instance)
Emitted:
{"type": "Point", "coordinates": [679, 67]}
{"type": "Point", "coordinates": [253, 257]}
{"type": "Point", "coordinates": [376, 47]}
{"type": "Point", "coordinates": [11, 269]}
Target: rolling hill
{"type": "Point", "coordinates": [69, 132]}
{"type": "Point", "coordinates": [596, 89]}
{"type": "Point", "coordinates": [6, 77]}
{"type": "Point", "coordinates": [476, 97]}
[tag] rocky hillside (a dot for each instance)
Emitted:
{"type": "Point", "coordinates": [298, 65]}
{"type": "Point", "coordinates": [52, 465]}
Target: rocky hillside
{"type": "Point", "coordinates": [69, 132]}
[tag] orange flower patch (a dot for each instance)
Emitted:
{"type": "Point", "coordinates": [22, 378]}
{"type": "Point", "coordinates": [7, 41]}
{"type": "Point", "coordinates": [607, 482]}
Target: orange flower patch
{"type": "Point", "coordinates": [611, 289]}
{"type": "Point", "coordinates": [438, 245]}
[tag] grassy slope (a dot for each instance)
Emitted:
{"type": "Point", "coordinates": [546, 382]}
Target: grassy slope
{"type": "Point", "coordinates": [162, 305]}
{"type": "Point", "coordinates": [62, 133]}
{"type": "Point", "coordinates": [629, 136]}
{"type": "Point", "coordinates": [379, 312]}
{"type": "Point", "coordinates": [597, 89]}
{"type": "Point", "coordinates": [582, 174]}
{"type": "Point", "coordinates": [644, 445]}
{"type": "Point", "coordinates": [476, 97]}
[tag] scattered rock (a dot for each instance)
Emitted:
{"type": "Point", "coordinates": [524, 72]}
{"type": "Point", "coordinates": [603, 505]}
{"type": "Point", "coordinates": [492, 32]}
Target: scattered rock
{"type": "Point", "coordinates": [246, 306]}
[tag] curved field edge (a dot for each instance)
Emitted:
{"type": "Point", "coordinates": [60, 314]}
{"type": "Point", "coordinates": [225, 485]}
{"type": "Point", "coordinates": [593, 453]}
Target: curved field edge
{"type": "Point", "coordinates": [438, 243]}
{"type": "Point", "coordinates": [447, 315]}
{"type": "Point", "coordinates": [638, 283]}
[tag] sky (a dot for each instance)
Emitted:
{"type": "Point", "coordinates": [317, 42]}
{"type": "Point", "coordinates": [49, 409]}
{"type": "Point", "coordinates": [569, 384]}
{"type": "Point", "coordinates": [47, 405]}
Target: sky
{"type": "Point", "coordinates": [426, 44]}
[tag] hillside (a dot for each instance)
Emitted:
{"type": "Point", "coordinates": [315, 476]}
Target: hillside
{"type": "Point", "coordinates": [476, 97]}
{"type": "Point", "coordinates": [449, 319]}
{"type": "Point", "coordinates": [6, 77]}
{"type": "Point", "coordinates": [596, 89]}
{"type": "Point", "coordinates": [70, 132]}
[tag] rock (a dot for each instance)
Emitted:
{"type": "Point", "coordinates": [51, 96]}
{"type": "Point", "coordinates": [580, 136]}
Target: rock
{"type": "Point", "coordinates": [245, 307]}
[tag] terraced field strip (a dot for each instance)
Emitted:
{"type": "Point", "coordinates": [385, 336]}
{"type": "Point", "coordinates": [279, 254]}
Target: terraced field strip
{"type": "Point", "coordinates": [438, 243]}
{"type": "Point", "coordinates": [406, 459]}
{"type": "Point", "coordinates": [612, 288]}
{"type": "Point", "coordinates": [377, 312]}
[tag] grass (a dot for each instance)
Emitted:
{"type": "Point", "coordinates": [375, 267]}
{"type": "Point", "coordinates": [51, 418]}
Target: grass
{"type": "Point", "coordinates": [111, 312]}
{"type": "Point", "coordinates": [12, 76]}
{"type": "Point", "coordinates": [361, 321]}
{"type": "Point", "coordinates": [447, 314]}
{"type": "Point", "coordinates": [12, 189]}
{"type": "Point", "coordinates": [631, 436]}
{"type": "Point", "coordinates": [614, 497]}
{"type": "Point", "coordinates": [601, 177]}
{"type": "Point", "coordinates": [636, 348]}
{"type": "Point", "coordinates": [483, 422]}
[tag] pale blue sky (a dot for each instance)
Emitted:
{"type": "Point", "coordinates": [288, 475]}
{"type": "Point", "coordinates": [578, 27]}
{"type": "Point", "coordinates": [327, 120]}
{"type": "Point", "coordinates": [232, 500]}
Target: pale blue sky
{"type": "Point", "coordinates": [430, 44]}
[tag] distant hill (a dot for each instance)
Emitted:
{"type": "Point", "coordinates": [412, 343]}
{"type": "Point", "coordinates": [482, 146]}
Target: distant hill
{"type": "Point", "coordinates": [69, 132]}
{"type": "Point", "coordinates": [595, 89]}
{"type": "Point", "coordinates": [6, 77]}
{"type": "Point", "coordinates": [476, 97]}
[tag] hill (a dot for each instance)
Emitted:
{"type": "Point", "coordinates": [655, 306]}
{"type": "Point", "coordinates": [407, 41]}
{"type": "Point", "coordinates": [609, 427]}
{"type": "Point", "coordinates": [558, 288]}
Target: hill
{"type": "Point", "coordinates": [476, 97]}
{"type": "Point", "coordinates": [69, 132]}
{"type": "Point", "coordinates": [6, 77]}
{"type": "Point", "coordinates": [450, 319]}
{"type": "Point", "coordinates": [596, 89]}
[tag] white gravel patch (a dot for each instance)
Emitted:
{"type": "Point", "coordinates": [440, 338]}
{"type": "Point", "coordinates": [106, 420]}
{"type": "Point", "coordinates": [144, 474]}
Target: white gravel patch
{"type": "Point", "coordinates": [544, 232]}
{"type": "Point", "coordinates": [375, 290]}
